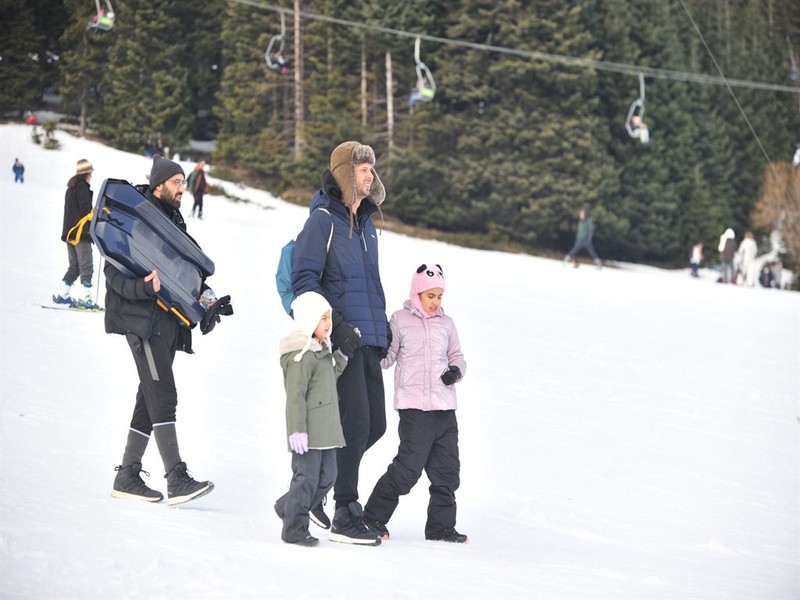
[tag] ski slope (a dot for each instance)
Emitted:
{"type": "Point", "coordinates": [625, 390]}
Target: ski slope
{"type": "Point", "coordinates": [627, 433]}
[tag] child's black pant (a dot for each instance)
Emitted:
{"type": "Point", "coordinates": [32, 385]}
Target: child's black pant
{"type": "Point", "coordinates": [313, 474]}
{"type": "Point", "coordinates": [429, 441]}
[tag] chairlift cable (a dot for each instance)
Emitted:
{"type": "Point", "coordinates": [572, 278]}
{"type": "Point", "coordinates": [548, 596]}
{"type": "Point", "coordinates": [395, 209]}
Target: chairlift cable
{"type": "Point", "coordinates": [600, 65]}
{"type": "Point", "coordinates": [730, 89]}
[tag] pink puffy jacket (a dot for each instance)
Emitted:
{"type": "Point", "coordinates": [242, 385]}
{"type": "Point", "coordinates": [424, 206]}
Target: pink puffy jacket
{"type": "Point", "coordinates": [423, 348]}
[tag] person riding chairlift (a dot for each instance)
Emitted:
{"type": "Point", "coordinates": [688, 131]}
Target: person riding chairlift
{"type": "Point", "coordinates": [277, 62]}
{"type": "Point", "coordinates": [424, 92]}
{"type": "Point", "coordinates": [639, 130]}
{"type": "Point", "coordinates": [104, 20]}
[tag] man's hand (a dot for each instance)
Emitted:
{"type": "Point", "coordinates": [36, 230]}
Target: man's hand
{"type": "Point", "coordinates": [344, 336]}
{"type": "Point", "coordinates": [154, 278]}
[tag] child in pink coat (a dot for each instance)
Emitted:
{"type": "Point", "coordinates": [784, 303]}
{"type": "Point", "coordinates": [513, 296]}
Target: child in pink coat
{"type": "Point", "coordinates": [429, 363]}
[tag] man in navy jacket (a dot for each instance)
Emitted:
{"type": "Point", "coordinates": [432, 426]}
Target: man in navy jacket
{"type": "Point", "coordinates": [347, 275]}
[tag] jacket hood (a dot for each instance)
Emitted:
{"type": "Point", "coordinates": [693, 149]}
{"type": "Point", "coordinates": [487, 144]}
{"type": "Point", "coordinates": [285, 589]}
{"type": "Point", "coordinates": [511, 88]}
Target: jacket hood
{"type": "Point", "coordinates": [296, 341]}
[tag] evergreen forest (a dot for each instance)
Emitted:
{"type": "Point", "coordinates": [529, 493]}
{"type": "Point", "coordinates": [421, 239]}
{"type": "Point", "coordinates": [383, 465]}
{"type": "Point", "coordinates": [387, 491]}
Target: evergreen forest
{"type": "Point", "coordinates": [528, 123]}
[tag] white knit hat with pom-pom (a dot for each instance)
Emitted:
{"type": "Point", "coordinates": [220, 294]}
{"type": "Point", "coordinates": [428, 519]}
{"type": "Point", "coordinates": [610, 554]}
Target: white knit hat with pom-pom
{"type": "Point", "coordinates": [308, 309]}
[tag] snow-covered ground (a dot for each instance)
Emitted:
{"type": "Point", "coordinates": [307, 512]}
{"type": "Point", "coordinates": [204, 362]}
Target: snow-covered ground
{"type": "Point", "coordinates": [625, 433]}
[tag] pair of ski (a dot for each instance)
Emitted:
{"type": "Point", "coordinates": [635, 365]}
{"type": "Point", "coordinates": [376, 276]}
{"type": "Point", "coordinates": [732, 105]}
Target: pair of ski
{"type": "Point", "coordinates": [73, 307]}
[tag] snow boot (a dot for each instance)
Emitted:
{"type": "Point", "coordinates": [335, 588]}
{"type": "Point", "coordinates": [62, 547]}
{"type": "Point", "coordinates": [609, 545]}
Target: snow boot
{"type": "Point", "coordinates": [129, 484]}
{"type": "Point", "coordinates": [181, 487]}
{"type": "Point", "coordinates": [64, 297]}
{"type": "Point", "coordinates": [348, 527]}
{"type": "Point", "coordinates": [448, 534]}
{"type": "Point", "coordinates": [309, 541]}
{"type": "Point", "coordinates": [377, 527]}
{"type": "Point", "coordinates": [85, 300]}
{"type": "Point", "coordinates": [318, 516]}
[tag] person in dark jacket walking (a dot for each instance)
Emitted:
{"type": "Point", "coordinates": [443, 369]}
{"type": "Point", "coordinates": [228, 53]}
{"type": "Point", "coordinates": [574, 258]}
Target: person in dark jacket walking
{"type": "Point", "coordinates": [350, 281]}
{"type": "Point", "coordinates": [197, 188]}
{"type": "Point", "coordinates": [154, 335]}
{"type": "Point", "coordinates": [583, 239]}
{"type": "Point", "coordinates": [75, 233]}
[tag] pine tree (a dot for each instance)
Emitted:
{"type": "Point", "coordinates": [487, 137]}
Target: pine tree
{"type": "Point", "coordinates": [20, 64]}
{"type": "Point", "coordinates": [146, 83]}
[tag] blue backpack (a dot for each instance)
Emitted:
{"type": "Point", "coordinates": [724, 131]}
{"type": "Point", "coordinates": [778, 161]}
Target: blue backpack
{"type": "Point", "coordinates": [283, 276]}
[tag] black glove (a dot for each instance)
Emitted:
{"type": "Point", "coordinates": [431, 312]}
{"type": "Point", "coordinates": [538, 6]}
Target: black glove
{"type": "Point", "coordinates": [220, 307]}
{"type": "Point", "coordinates": [344, 336]}
{"type": "Point", "coordinates": [452, 375]}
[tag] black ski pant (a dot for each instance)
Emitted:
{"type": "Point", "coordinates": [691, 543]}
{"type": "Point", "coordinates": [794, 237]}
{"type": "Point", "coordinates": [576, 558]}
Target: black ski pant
{"type": "Point", "coordinates": [197, 207]}
{"type": "Point", "coordinates": [429, 442]}
{"type": "Point", "coordinates": [80, 263]}
{"type": "Point", "coordinates": [157, 396]}
{"type": "Point", "coordinates": [580, 245]}
{"type": "Point", "coordinates": [363, 413]}
{"type": "Point", "coordinates": [313, 474]}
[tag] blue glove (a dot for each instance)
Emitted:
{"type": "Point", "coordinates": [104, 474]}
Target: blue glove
{"type": "Point", "coordinates": [452, 375]}
{"type": "Point", "coordinates": [299, 442]}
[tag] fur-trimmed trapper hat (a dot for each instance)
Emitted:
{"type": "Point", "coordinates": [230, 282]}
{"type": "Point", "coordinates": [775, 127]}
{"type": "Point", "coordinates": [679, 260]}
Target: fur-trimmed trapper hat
{"type": "Point", "coordinates": [344, 159]}
{"type": "Point", "coordinates": [163, 169]}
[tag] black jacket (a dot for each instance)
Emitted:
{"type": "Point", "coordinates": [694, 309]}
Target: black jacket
{"type": "Point", "coordinates": [77, 204]}
{"type": "Point", "coordinates": [131, 306]}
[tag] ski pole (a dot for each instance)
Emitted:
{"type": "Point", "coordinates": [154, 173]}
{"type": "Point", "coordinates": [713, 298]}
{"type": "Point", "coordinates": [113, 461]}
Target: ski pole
{"type": "Point", "coordinates": [97, 289]}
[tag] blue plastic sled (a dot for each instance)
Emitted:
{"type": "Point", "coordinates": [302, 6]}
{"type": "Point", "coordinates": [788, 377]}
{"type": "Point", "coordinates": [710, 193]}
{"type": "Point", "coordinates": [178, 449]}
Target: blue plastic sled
{"type": "Point", "coordinates": [136, 237]}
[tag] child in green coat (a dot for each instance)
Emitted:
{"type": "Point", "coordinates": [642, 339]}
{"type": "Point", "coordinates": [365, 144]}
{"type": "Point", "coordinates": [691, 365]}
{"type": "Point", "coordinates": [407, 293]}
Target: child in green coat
{"type": "Point", "coordinates": [313, 425]}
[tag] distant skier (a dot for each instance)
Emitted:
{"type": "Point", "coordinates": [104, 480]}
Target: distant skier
{"type": "Point", "coordinates": [75, 233]}
{"type": "Point", "coordinates": [19, 171]}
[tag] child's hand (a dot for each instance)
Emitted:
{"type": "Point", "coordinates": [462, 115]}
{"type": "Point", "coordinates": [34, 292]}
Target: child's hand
{"type": "Point", "coordinates": [451, 376]}
{"type": "Point", "coordinates": [299, 442]}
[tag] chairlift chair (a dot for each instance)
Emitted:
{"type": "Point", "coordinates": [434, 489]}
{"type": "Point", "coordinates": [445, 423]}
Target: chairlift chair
{"type": "Point", "coordinates": [105, 17]}
{"type": "Point", "coordinates": [426, 92]}
{"type": "Point", "coordinates": [271, 51]}
{"type": "Point", "coordinates": [636, 111]}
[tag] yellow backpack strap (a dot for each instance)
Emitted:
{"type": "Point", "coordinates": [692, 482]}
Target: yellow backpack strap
{"type": "Point", "coordinates": [74, 234]}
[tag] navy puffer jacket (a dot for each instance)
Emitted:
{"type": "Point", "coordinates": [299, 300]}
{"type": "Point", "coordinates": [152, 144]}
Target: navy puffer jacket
{"type": "Point", "coordinates": [350, 279]}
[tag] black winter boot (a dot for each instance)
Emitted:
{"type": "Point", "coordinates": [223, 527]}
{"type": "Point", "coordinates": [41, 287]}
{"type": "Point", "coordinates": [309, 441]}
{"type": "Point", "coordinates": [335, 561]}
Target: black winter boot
{"type": "Point", "coordinates": [181, 487]}
{"type": "Point", "coordinates": [448, 534]}
{"type": "Point", "coordinates": [129, 484]}
{"type": "Point", "coordinates": [348, 527]}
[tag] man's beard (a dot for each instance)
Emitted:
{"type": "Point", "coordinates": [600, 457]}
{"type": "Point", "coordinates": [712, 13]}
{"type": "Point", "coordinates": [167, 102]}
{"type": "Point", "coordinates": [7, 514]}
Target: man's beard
{"type": "Point", "coordinates": [171, 199]}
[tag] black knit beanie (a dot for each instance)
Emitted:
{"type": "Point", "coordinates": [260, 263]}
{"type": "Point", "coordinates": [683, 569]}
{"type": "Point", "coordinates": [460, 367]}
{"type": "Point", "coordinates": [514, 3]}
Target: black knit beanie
{"type": "Point", "coordinates": [163, 169]}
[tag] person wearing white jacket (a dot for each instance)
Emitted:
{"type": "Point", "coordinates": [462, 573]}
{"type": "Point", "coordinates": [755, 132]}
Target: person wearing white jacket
{"type": "Point", "coordinates": [427, 352]}
{"type": "Point", "coordinates": [748, 249]}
